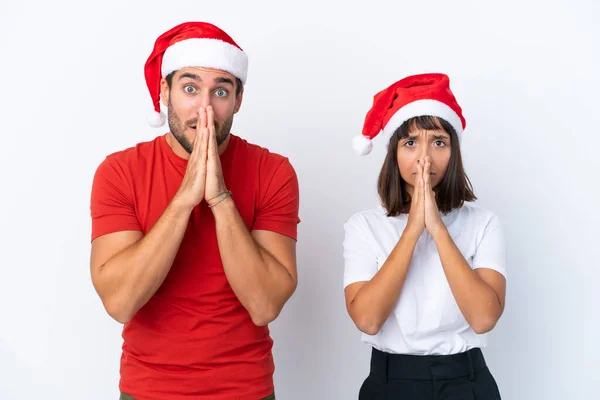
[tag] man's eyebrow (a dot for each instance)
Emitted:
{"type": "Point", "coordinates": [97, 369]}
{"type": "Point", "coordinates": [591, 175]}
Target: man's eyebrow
{"type": "Point", "coordinates": [224, 80]}
{"type": "Point", "coordinates": [190, 75]}
{"type": "Point", "coordinates": [195, 77]}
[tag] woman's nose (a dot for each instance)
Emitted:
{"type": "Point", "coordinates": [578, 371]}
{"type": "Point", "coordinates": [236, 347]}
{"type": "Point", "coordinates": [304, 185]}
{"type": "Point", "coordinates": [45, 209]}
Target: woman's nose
{"type": "Point", "coordinates": [425, 153]}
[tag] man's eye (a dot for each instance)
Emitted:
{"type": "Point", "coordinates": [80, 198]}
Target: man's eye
{"type": "Point", "coordinates": [189, 89]}
{"type": "Point", "coordinates": [221, 93]}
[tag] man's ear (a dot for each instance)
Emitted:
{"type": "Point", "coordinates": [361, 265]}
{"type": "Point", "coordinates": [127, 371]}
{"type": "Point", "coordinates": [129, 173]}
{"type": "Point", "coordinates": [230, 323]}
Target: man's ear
{"type": "Point", "coordinates": [238, 101]}
{"type": "Point", "coordinates": [164, 92]}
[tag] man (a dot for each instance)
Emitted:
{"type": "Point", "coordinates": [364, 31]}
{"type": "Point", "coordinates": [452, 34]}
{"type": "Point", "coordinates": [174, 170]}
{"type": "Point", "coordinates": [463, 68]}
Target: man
{"type": "Point", "coordinates": [194, 233]}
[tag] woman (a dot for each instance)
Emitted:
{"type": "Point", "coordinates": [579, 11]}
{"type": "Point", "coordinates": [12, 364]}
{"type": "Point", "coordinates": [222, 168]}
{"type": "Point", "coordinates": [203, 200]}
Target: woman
{"type": "Point", "coordinates": [424, 274]}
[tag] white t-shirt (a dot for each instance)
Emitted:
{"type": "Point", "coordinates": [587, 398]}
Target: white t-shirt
{"type": "Point", "coordinates": [426, 319]}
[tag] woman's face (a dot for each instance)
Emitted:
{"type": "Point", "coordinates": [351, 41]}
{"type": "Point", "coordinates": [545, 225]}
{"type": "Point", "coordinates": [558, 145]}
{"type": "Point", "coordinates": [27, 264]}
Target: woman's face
{"type": "Point", "coordinates": [432, 145]}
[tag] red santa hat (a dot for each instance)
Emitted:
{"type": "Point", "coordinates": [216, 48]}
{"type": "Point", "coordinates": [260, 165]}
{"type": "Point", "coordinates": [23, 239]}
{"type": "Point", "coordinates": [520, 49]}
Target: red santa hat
{"type": "Point", "coordinates": [413, 96]}
{"type": "Point", "coordinates": [191, 44]}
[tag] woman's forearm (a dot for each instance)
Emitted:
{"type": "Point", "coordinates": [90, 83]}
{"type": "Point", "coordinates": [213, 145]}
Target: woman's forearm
{"type": "Point", "coordinates": [477, 301]}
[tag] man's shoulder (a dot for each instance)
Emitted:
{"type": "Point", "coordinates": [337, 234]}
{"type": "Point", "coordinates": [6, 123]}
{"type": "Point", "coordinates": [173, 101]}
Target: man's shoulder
{"type": "Point", "coordinates": [134, 152]}
{"type": "Point", "coordinates": [263, 158]}
{"type": "Point", "coordinates": [129, 157]}
{"type": "Point", "coordinates": [127, 160]}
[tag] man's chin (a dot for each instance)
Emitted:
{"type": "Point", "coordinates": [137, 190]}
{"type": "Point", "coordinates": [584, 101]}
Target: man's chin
{"type": "Point", "coordinates": [185, 141]}
{"type": "Point", "coordinates": [222, 138]}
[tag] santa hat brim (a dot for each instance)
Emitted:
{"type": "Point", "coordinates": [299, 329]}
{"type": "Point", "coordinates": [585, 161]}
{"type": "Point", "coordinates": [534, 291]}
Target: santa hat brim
{"type": "Point", "coordinates": [421, 108]}
{"type": "Point", "coordinates": [207, 53]}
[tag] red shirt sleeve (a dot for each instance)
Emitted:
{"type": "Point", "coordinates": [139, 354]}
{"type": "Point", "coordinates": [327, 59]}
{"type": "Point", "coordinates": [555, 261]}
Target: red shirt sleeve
{"type": "Point", "coordinates": [280, 201]}
{"type": "Point", "coordinates": [111, 206]}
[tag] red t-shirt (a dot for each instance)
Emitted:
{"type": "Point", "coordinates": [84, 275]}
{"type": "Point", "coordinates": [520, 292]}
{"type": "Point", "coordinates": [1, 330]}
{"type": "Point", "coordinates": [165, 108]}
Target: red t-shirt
{"type": "Point", "coordinates": [194, 339]}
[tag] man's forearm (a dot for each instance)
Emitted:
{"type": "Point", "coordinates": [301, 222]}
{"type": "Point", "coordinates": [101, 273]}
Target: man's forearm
{"type": "Point", "coordinates": [131, 277]}
{"type": "Point", "coordinates": [258, 280]}
{"type": "Point", "coordinates": [476, 300]}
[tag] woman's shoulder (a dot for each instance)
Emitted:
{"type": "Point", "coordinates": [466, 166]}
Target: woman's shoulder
{"type": "Point", "coordinates": [370, 214]}
{"type": "Point", "coordinates": [478, 215]}
{"type": "Point", "coordinates": [372, 219]}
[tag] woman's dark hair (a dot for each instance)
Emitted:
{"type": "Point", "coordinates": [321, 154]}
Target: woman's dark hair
{"type": "Point", "coordinates": [454, 189]}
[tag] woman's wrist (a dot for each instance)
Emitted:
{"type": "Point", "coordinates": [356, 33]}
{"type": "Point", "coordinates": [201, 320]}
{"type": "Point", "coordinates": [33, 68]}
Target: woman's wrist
{"type": "Point", "coordinates": [439, 232]}
{"type": "Point", "coordinates": [411, 234]}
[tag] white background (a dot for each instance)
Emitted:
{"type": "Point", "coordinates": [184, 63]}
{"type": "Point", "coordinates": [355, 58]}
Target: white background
{"type": "Point", "coordinates": [526, 73]}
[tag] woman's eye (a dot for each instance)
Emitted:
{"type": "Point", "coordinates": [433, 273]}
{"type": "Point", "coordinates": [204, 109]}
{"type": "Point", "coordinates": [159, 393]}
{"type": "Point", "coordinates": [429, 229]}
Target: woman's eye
{"type": "Point", "coordinates": [440, 143]}
{"type": "Point", "coordinates": [189, 89]}
{"type": "Point", "coordinates": [410, 143]}
{"type": "Point", "coordinates": [221, 93]}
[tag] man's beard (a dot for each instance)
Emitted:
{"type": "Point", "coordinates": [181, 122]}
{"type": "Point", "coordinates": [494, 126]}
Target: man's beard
{"type": "Point", "coordinates": [178, 129]}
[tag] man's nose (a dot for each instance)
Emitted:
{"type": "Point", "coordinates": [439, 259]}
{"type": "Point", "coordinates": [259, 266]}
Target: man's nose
{"type": "Point", "coordinates": [204, 99]}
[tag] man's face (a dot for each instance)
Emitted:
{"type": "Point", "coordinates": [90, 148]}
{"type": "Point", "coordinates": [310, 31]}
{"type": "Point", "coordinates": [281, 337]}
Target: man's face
{"type": "Point", "coordinates": [195, 87]}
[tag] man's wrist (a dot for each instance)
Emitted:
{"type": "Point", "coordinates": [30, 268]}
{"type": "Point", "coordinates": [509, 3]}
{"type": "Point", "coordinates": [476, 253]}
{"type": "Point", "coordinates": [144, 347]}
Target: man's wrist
{"type": "Point", "coordinates": [222, 205]}
{"type": "Point", "coordinates": [180, 205]}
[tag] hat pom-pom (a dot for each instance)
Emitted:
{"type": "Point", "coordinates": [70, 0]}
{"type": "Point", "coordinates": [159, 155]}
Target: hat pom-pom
{"type": "Point", "coordinates": [156, 119]}
{"type": "Point", "coordinates": [362, 145]}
